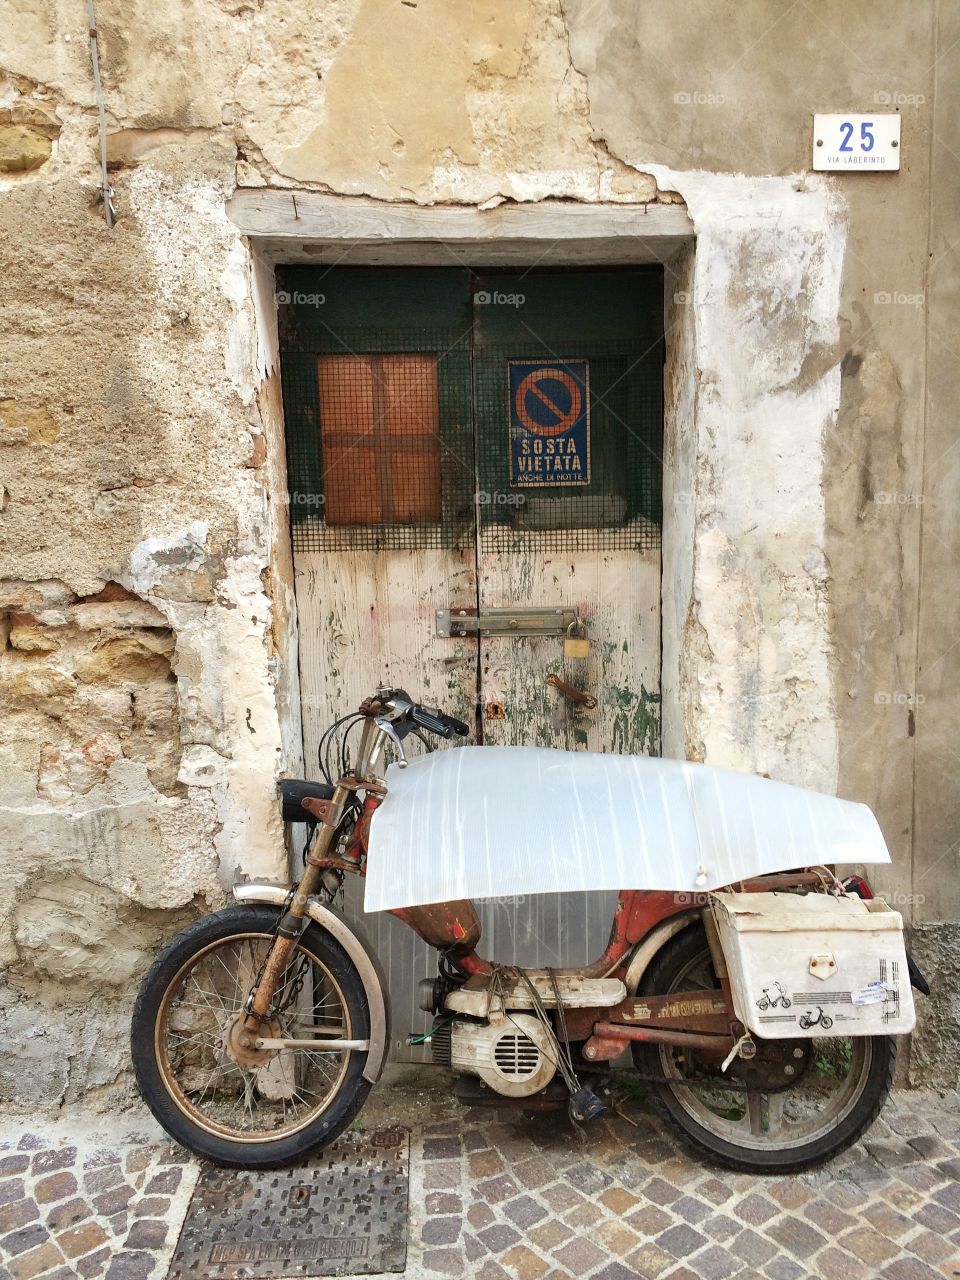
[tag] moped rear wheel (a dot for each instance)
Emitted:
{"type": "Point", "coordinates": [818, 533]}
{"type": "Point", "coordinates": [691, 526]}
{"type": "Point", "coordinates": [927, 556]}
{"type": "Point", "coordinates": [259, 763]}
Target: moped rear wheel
{"type": "Point", "coordinates": [760, 1116]}
{"type": "Point", "coordinates": [281, 1105]}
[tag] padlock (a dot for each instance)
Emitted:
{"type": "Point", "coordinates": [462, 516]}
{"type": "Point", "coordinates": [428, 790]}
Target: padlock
{"type": "Point", "coordinates": [576, 644]}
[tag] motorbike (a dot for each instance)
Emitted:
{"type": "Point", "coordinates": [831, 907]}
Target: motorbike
{"type": "Point", "coordinates": [260, 1029]}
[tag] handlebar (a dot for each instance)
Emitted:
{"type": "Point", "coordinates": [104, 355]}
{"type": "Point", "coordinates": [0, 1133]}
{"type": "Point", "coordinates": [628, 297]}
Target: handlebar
{"type": "Point", "coordinates": [404, 714]}
{"type": "Point", "coordinates": [438, 722]}
{"type": "Point", "coordinates": [391, 714]}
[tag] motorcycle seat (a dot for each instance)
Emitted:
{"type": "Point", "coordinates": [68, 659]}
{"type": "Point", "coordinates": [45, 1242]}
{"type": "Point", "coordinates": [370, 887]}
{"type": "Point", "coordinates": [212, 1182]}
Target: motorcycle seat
{"type": "Point", "coordinates": [293, 790]}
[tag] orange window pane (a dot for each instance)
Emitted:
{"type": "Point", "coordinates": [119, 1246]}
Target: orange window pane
{"type": "Point", "coordinates": [379, 431]}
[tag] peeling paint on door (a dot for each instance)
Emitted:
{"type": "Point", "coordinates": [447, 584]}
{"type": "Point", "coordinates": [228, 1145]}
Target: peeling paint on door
{"type": "Point", "coordinates": [636, 721]}
{"type": "Point", "coordinates": [367, 616]}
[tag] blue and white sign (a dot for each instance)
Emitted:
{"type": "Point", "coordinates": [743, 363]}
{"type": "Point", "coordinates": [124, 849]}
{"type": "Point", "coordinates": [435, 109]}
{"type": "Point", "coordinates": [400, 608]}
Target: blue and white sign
{"type": "Point", "coordinates": [549, 422]}
{"type": "Point", "coordinates": [847, 142]}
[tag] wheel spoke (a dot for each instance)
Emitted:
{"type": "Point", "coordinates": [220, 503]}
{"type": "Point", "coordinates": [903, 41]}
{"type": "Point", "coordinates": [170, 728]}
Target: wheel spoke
{"type": "Point", "coordinates": [207, 1002]}
{"type": "Point", "coordinates": [212, 995]}
{"type": "Point", "coordinates": [323, 1067]}
{"type": "Point", "coordinates": [184, 1040]}
{"type": "Point", "coordinates": [233, 975]}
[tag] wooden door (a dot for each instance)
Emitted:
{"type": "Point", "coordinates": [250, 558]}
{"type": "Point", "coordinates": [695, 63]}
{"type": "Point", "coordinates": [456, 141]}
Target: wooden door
{"type": "Point", "coordinates": [414, 402]}
{"type": "Point", "coordinates": [581, 351]}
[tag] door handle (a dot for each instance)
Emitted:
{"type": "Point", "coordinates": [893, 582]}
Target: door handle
{"type": "Point", "coordinates": [577, 696]}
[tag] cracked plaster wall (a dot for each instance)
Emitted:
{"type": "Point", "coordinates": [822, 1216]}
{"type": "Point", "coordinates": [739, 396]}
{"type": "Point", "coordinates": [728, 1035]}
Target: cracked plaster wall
{"type": "Point", "coordinates": [140, 410]}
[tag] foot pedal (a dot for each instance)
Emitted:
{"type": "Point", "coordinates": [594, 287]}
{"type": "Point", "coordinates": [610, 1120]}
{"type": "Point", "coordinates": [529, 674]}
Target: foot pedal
{"type": "Point", "coordinates": [585, 1105]}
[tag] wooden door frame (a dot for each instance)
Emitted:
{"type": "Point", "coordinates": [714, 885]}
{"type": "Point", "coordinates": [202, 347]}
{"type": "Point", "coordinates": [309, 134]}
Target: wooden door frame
{"type": "Point", "coordinates": [291, 226]}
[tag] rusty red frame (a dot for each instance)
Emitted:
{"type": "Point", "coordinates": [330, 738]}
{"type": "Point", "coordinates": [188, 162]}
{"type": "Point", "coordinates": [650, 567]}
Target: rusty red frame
{"type": "Point", "coordinates": [452, 926]}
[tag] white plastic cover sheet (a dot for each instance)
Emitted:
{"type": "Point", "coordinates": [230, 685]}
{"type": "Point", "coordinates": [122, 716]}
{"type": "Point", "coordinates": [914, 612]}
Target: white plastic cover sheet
{"type": "Point", "coordinates": [481, 822]}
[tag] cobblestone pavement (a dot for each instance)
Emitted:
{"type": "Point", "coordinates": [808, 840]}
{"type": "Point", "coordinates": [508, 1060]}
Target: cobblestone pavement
{"type": "Point", "coordinates": [100, 1198]}
{"type": "Point", "coordinates": [499, 1196]}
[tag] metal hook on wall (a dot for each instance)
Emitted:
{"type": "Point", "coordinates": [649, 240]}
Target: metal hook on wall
{"type": "Point", "coordinates": [101, 115]}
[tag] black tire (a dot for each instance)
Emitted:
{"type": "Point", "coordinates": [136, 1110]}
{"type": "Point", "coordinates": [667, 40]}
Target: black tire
{"type": "Point", "coordinates": [286, 1149]}
{"type": "Point", "coordinates": [873, 1056]}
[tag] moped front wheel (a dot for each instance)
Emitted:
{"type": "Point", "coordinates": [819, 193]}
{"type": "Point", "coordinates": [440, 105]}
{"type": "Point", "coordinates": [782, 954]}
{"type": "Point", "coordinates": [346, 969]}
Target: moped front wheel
{"type": "Point", "coordinates": [278, 1106]}
{"type": "Point", "coordinates": [798, 1103]}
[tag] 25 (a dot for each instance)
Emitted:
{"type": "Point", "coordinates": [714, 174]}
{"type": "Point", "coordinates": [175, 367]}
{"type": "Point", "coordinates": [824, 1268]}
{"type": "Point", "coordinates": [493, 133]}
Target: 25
{"type": "Point", "coordinates": [866, 135]}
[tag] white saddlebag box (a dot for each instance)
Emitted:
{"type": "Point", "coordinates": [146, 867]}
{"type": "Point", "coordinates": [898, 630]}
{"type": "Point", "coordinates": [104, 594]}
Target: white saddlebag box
{"type": "Point", "coordinates": [815, 964]}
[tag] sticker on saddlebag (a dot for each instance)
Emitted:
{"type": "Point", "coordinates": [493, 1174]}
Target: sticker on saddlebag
{"type": "Point", "coordinates": [873, 993]}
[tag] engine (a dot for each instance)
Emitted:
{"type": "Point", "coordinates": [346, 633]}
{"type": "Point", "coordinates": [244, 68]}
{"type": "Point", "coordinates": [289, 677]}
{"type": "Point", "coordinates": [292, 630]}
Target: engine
{"type": "Point", "coordinates": [516, 1057]}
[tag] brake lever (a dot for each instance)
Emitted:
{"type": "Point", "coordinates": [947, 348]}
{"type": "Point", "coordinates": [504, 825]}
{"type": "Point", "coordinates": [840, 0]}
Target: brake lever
{"type": "Point", "coordinates": [382, 723]}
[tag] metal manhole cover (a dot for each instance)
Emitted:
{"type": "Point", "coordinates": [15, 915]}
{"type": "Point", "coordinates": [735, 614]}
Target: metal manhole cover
{"type": "Point", "coordinates": [342, 1213]}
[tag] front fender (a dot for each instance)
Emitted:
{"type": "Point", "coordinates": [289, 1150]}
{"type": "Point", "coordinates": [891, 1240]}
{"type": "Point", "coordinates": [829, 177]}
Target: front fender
{"type": "Point", "coordinates": [353, 941]}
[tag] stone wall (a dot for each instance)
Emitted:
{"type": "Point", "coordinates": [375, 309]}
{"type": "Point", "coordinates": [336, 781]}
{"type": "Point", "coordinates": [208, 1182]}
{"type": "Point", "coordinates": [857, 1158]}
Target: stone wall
{"type": "Point", "coordinates": [148, 683]}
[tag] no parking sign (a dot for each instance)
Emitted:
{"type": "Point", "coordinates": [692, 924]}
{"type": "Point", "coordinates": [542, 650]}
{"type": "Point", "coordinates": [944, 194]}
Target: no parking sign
{"type": "Point", "coordinates": [549, 422]}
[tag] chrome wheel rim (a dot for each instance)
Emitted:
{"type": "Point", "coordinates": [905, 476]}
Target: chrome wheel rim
{"type": "Point", "coordinates": [263, 1103]}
